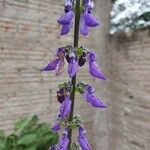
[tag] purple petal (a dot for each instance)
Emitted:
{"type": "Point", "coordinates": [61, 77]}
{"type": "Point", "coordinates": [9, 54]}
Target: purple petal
{"type": "Point", "coordinates": [52, 65]}
{"type": "Point", "coordinates": [93, 67]}
{"type": "Point", "coordinates": [83, 26]}
{"type": "Point", "coordinates": [60, 51]}
{"type": "Point", "coordinates": [52, 148]}
{"type": "Point", "coordinates": [86, 96]}
{"type": "Point", "coordinates": [97, 103]}
{"type": "Point", "coordinates": [68, 3]}
{"type": "Point", "coordinates": [94, 101]}
{"type": "Point", "coordinates": [92, 57]}
{"type": "Point", "coordinates": [90, 89]}
{"type": "Point", "coordinates": [82, 140]}
{"type": "Point", "coordinates": [56, 127]}
{"type": "Point", "coordinates": [66, 18]}
{"type": "Point", "coordinates": [91, 5]}
{"type": "Point", "coordinates": [63, 142]}
{"type": "Point", "coordinates": [85, 2]}
{"type": "Point", "coordinates": [90, 20]}
{"type": "Point", "coordinates": [65, 108]}
{"type": "Point", "coordinates": [66, 28]}
{"type": "Point", "coordinates": [60, 66]}
{"type": "Point", "coordinates": [68, 108]}
{"type": "Point", "coordinates": [72, 68]}
{"type": "Point", "coordinates": [95, 71]}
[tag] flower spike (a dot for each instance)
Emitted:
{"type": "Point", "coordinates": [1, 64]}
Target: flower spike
{"type": "Point", "coordinates": [76, 57]}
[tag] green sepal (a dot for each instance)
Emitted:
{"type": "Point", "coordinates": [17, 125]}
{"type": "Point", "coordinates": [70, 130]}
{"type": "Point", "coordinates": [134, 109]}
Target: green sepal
{"type": "Point", "coordinates": [79, 52]}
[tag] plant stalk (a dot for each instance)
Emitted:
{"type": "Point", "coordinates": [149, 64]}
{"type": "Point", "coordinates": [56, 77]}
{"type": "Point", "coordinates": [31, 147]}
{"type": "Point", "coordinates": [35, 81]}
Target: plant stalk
{"type": "Point", "coordinates": [73, 80]}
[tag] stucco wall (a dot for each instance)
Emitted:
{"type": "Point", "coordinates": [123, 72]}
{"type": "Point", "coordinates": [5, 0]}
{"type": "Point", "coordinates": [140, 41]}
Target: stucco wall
{"type": "Point", "coordinates": [129, 92]}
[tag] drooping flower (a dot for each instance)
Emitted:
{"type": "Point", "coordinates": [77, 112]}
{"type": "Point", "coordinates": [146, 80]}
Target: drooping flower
{"type": "Point", "coordinates": [90, 98]}
{"type": "Point", "coordinates": [83, 140]}
{"type": "Point", "coordinates": [83, 27]}
{"type": "Point", "coordinates": [72, 68]}
{"type": "Point", "coordinates": [58, 63]}
{"type": "Point", "coordinates": [93, 67]}
{"type": "Point", "coordinates": [56, 127]}
{"type": "Point", "coordinates": [65, 108]}
{"type": "Point", "coordinates": [66, 20]}
{"type": "Point", "coordinates": [64, 141]}
{"type": "Point", "coordinates": [90, 19]}
{"type": "Point", "coordinates": [87, 19]}
{"type": "Point", "coordinates": [52, 65]}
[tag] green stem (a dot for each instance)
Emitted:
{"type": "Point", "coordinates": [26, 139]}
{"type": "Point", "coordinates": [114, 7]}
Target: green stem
{"type": "Point", "coordinates": [76, 41]}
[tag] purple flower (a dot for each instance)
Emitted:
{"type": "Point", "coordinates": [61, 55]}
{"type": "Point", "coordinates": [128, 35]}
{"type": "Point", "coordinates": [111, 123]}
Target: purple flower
{"type": "Point", "coordinates": [66, 28]}
{"type": "Point", "coordinates": [58, 63]}
{"type": "Point", "coordinates": [63, 142]}
{"type": "Point", "coordinates": [65, 108]}
{"type": "Point", "coordinates": [88, 5]}
{"type": "Point", "coordinates": [52, 65]}
{"type": "Point", "coordinates": [68, 3]}
{"type": "Point", "coordinates": [73, 66]}
{"type": "Point", "coordinates": [83, 140]}
{"type": "Point", "coordinates": [56, 127]}
{"type": "Point", "coordinates": [93, 67]}
{"type": "Point", "coordinates": [60, 67]}
{"type": "Point", "coordinates": [90, 89]}
{"type": "Point", "coordinates": [90, 98]}
{"type": "Point", "coordinates": [83, 27]}
{"type": "Point", "coordinates": [87, 19]}
{"type": "Point", "coordinates": [90, 20]}
{"type": "Point", "coordinates": [66, 20]}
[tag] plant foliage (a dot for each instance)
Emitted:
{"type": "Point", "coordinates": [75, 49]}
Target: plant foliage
{"type": "Point", "coordinates": [28, 134]}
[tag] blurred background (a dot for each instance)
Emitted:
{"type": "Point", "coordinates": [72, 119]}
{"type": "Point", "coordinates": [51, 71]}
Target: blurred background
{"type": "Point", "coordinates": [29, 35]}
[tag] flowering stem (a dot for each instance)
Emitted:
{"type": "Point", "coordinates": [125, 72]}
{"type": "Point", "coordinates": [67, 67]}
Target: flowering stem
{"type": "Point", "coordinates": [76, 40]}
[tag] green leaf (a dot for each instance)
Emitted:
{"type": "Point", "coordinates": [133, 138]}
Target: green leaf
{"type": "Point", "coordinates": [11, 142]}
{"type": "Point", "coordinates": [2, 134]}
{"type": "Point", "coordinates": [26, 123]}
{"type": "Point", "coordinates": [2, 140]}
{"type": "Point", "coordinates": [31, 135]}
{"type": "Point", "coordinates": [32, 148]}
{"type": "Point", "coordinates": [27, 139]}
